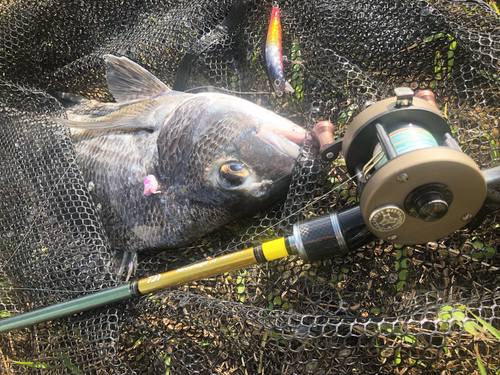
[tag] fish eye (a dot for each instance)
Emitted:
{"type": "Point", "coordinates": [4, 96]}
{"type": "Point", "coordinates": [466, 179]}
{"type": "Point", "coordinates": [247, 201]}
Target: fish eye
{"type": "Point", "coordinates": [233, 175]}
{"type": "Point", "coordinates": [236, 167]}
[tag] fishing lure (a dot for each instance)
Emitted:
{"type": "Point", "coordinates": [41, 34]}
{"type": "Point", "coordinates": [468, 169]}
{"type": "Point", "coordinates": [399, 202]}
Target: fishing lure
{"type": "Point", "coordinates": [150, 185]}
{"type": "Point", "coordinates": [274, 58]}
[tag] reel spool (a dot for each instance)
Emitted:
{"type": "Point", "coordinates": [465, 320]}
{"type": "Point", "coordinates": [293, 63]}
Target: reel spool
{"type": "Point", "coordinates": [414, 183]}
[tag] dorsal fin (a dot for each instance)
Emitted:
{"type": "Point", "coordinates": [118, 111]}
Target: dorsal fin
{"type": "Point", "coordinates": [129, 81]}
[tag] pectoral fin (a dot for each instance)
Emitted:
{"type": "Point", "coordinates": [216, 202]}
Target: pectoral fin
{"type": "Point", "coordinates": [129, 81]}
{"type": "Point", "coordinates": [118, 124]}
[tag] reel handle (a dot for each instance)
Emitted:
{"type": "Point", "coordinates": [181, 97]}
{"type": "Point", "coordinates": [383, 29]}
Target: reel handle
{"type": "Point", "coordinates": [428, 96]}
{"type": "Point", "coordinates": [324, 132]}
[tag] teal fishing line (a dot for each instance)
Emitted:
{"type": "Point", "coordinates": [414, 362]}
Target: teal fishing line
{"type": "Point", "coordinates": [406, 139]}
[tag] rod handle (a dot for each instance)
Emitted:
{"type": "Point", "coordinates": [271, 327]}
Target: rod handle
{"type": "Point", "coordinates": [329, 235]}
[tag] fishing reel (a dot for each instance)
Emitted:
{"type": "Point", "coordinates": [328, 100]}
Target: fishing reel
{"type": "Point", "coordinates": [415, 184]}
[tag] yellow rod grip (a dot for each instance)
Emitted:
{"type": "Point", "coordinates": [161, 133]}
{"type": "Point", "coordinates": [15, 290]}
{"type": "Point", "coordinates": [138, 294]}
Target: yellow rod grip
{"type": "Point", "coordinates": [198, 271]}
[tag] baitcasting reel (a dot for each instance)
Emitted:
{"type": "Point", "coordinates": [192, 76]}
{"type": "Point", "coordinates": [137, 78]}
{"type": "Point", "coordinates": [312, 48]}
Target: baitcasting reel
{"type": "Point", "coordinates": [421, 186]}
{"type": "Point", "coordinates": [415, 184]}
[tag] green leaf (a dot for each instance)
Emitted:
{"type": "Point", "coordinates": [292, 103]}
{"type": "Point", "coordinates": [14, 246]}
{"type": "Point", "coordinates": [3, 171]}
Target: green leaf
{"type": "Point", "coordinates": [264, 338]}
{"type": "Point", "coordinates": [489, 252]}
{"type": "Point", "coordinates": [448, 312]}
{"type": "Point", "coordinates": [480, 364]}
{"type": "Point", "coordinates": [488, 326]}
{"type": "Point", "coordinates": [494, 6]}
{"type": "Point", "coordinates": [437, 64]}
{"type": "Point", "coordinates": [478, 245]}
{"type": "Point", "coordinates": [409, 339]}
{"type": "Point", "coordinates": [42, 365]}
{"type": "Point", "coordinates": [275, 335]}
{"type": "Point", "coordinates": [472, 327]}
{"type": "Point", "coordinates": [443, 327]}
{"type": "Point", "coordinates": [240, 279]}
{"type": "Point", "coordinates": [397, 355]}
{"type": "Point", "coordinates": [385, 327]}
{"type": "Point", "coordinates": [436, 36]}
{"type": "Point", "coordinates": [271, 232]}
{"type": "Point", "coordinates": [67, 362]}
{"type": "Point", "coordinates": [459, 315]}
{"type": "Point", "coordinates": [402, 274]}
{"type": "Point", "coordinates": [400, 285]}
{"type": "Point", "coordinates": [399, 254]}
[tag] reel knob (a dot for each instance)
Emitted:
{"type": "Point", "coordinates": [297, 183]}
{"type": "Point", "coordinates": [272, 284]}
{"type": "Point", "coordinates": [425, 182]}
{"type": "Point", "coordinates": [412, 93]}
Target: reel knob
{"type": "Point", "coordinates": [429, 202]}
{"type": "Point", "coordinates": [431, 206]}
{"type": "Point", "coordinates": [428, 96]}
{"type": "Point", "coordinates": [324, 132]}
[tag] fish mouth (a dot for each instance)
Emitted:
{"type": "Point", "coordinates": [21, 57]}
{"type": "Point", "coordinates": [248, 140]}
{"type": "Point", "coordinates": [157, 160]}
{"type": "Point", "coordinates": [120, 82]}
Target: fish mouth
{"type": "Point", "coordinates": [287, 141]}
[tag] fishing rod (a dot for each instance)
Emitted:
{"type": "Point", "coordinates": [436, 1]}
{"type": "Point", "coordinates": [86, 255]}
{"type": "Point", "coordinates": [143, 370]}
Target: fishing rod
{"type": "Point", "coordinates": [415, 185]}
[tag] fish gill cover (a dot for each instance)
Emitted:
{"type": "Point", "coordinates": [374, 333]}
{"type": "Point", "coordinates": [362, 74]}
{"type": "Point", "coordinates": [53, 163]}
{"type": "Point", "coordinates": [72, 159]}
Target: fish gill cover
{"type": "Point", "coordinates": [430, 308]}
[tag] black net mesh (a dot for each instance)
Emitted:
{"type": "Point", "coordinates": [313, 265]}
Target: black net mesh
{"type": "Point", "coordinates": [429, 308]}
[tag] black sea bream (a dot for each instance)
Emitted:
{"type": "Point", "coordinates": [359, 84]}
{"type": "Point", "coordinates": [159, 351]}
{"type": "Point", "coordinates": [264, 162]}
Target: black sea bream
{"type": "Point", "coordinates": [167, 167]}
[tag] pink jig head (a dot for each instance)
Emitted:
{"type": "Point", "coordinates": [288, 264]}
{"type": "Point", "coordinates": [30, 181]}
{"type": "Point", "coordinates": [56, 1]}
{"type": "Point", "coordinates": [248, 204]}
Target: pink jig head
{"type": "Point", "coordinates": [150, 185]}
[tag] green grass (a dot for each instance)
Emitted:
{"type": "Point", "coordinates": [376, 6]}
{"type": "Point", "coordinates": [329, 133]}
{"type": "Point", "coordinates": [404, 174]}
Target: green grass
{"type": "Point", "coordinates": [494, 4]}
{"type": "Point", "coordinates": [477, 327]}
{"type": "Point", "coordinates": [40, 365]}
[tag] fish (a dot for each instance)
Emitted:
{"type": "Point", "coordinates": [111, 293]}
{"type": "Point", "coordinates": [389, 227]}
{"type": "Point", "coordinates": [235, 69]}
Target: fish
{"type": "Point", "coordinates": [274, 57]}
{"type": "Point", "coordinates": [168, 167]}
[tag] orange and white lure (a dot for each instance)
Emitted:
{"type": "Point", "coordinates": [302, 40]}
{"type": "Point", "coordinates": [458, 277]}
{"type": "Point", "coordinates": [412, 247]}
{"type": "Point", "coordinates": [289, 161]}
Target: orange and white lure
{"type": "Point", "coordinates": [274, 58]}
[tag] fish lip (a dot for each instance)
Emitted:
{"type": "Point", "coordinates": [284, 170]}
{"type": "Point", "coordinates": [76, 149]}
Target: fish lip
{"type": "Point", "coordinates": [287, 141]}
